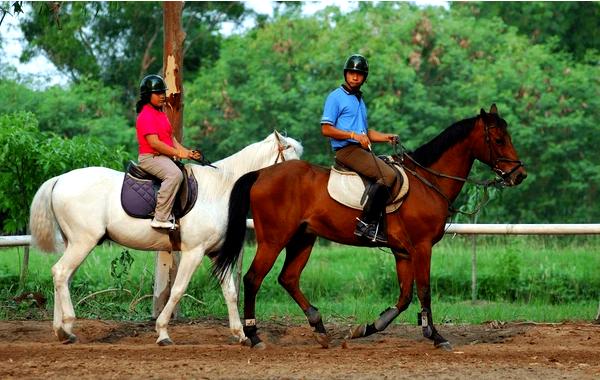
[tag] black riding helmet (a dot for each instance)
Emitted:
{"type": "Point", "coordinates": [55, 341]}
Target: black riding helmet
{"type": "Point", "coordinates": [357, 62]}
{"type": "Point", "coordinates": [152, 83]}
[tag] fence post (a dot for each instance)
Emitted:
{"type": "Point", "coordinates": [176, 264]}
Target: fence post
{"type": "Point", "coordinates": [473, 268]}
{"type": "Point", "coordinates": [24, 268]}
{"type": "Point", "coordinates": [165, 269]}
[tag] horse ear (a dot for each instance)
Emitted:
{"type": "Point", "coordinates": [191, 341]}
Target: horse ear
{"type": "Point", "coordinates": [482, 113]}
{"type": "Point", "coordinates": [494, 109]}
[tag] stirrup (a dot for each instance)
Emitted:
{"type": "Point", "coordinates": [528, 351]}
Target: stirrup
{"type": "Point", "coordinates": [370, 232]}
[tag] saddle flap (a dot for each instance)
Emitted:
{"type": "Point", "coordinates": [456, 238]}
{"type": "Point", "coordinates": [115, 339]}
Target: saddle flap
{"type": "Point", "coordinates": [139, 190]}
{"type": "Point", "coordinates": [138, 196]}
{"type": "Point", "coordinates": [348, 188]}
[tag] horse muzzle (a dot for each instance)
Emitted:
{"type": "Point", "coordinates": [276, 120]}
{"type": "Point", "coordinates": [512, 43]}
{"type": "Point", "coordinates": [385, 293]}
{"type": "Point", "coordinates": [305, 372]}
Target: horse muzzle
{"type": "Point", "coordinates": [514, 176]}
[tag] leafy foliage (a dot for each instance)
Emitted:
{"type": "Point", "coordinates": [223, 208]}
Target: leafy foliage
{"type": "Point", "coordinates": [573, 25]}
{"type": "Point", "coordinates": [29, 157]}
{"type": "Point", "coordinates": [84, 109]}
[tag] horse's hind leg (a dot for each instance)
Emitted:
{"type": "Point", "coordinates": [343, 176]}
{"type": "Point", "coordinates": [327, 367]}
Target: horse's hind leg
{"type": "Point", "coordinates": [187, 266]}
{"type": "Point", "coordinates": [297, 254]}
{"type": "Point", "coordinates": [62, 272]}
{"type": "Point", "coordinates": [405, 274]}
{"type": "Point", "coordinates": [231, 299]}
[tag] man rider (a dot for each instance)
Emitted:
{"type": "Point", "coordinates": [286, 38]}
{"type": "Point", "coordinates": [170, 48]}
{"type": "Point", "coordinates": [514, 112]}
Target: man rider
{"type": "Point", "coordinates": [344, 121]}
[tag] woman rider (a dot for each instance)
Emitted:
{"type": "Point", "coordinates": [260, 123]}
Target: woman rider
{"type": "Point", "coordinates": [158, 148]}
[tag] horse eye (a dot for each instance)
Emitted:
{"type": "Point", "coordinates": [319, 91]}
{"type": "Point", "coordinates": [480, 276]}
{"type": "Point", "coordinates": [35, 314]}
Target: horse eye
{"type": "Point", "coordinates": [499, 141]}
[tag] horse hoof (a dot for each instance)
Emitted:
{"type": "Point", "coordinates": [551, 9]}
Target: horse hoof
{"type": "Point", "coordinates": [446, 346]}
{"type": "Point", "coordinates": [246, 343]}
{"type": "Point", "coordinates": [70, 339]}
{"type": "Point", "coordinates": [165, 342]}
{"type": "Point", "coordinates": [259, 346]}
{"type": "Point", "coordinates": [322, 339]}
{"type": "Point", "coordinates": [64, 337]}
{"type": "Point", "coordinates": [358, 332]}
{"type": "Point", "coordinates": [235, 339]}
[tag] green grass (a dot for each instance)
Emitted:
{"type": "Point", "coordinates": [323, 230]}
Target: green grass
{"type": "Point", "coordinates": [542, 279]}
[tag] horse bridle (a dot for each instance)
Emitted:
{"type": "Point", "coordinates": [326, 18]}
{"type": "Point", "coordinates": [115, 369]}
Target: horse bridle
{"type": "Point", "coordinates": [281, 147]}
{"type": "Point", "coordinates": [495, 168]}
{"type": "Point", "coordinates": [487, 183]}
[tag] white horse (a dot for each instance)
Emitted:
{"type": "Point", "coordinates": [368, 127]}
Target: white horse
{"type": "Point", "coordinates": [84, 207]}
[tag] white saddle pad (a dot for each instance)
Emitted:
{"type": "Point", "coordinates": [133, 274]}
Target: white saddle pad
{"type": "Point", "coordinates": [347, 188]}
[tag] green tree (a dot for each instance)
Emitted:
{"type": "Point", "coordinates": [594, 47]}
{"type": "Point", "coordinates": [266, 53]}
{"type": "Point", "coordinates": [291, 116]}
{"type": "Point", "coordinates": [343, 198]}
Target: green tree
{"type": "Point", "coordinates": [86, 108]}
{"type": "Point", "coordinates": [29, 157]}
{"type": "Point", "coordinates": [574, 25]}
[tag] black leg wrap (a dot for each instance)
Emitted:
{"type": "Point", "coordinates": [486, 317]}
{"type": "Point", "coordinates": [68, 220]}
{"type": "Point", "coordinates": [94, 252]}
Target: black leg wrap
{"type": "Point", "coordinates": [251, 333]}
{"type": "Point", "coordinates": [314, 319]}
{"type": "Point", "coordinates": [370, 329]}
{"type": "Point", "coordinates": [386, 317]}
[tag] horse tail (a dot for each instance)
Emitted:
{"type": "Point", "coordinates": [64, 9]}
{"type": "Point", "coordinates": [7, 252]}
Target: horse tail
{"type": "Point", "coordinates": [42, 221]}
{"type": "Point", "coordinates": [239, 204]}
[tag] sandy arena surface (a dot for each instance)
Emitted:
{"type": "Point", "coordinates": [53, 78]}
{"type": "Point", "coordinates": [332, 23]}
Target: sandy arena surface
{"type": "Point", "coordinates": [203, 350]}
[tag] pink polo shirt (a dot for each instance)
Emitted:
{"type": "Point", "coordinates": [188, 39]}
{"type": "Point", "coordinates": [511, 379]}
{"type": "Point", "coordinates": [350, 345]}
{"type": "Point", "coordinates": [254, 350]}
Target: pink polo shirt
{"type": "Point", "coordinates": [151, 121]}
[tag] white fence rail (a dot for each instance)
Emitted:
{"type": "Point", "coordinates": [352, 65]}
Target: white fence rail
{"type": "Point", "coordinates": [465, 229]}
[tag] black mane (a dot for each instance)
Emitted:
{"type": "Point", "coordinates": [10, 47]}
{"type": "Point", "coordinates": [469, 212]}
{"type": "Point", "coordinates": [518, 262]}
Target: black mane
{"type": "Point", "coordinates": [430, 152]}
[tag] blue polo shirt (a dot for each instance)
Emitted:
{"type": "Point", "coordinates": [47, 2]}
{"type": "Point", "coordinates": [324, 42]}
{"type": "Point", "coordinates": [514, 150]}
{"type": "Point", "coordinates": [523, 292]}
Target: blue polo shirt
{"type": "Point", "coordinates": [345, 111]}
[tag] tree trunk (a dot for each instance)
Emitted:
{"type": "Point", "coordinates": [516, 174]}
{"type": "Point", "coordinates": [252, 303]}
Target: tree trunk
{"type": "Point", "coordinates": [173, 64]}
{"type": "Point", "coordinates": [166, 265]}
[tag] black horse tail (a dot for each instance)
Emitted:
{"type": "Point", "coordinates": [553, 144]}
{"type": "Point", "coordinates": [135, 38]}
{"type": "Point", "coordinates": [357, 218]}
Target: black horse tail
{"type": "Point", "coordinates": [239, 204]}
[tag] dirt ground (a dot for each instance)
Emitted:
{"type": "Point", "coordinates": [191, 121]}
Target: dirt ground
{"type": "Point", "coordinates": [203, 350]}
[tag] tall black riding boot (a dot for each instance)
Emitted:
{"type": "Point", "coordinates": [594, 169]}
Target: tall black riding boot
{"type": "Point", "coordinates": [368, 225]}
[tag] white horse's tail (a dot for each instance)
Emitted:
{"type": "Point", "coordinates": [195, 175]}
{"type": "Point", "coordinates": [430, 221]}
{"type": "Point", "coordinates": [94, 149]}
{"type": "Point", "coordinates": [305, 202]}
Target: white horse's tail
{"type": "Point", "coordinates": [42, 221]}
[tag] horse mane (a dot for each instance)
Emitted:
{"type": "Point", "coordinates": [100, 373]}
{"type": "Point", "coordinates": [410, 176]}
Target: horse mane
{"type": "Point", "coordinates": [430, 152]}
{"type": "Point", "coordinates": [229, 169]}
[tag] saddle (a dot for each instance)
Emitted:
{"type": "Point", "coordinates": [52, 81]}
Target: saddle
{"type": "Point", "coordinates": [349, 188]}
{"type": "Point", "coordinates": [138, 193]}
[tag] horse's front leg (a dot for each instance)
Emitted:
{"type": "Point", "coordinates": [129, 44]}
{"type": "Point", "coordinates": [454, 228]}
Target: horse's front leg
{"type": "Point", "coordinates": [404, 272]}
{"type": "Point", "coordinates": [422, 270]}
{"type": "Point", "coordinates": [187, 266]}
{"type": "Point", "coordinates": [231, 299]}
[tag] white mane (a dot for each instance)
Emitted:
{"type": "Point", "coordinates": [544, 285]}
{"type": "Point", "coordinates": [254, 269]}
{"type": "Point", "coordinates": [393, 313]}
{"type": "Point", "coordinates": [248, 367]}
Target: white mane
{"type": "Point", "coordinates": [253, 157]}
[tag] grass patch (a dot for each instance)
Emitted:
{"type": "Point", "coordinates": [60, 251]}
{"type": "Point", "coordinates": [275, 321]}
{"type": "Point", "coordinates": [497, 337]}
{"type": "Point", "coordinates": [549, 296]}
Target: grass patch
{"type": "Point", "coordinates": [541, 279]}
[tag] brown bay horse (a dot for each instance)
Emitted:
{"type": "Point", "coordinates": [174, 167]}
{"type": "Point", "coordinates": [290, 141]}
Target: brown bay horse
{"type": "Point", "coordinates": [291, 207]}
